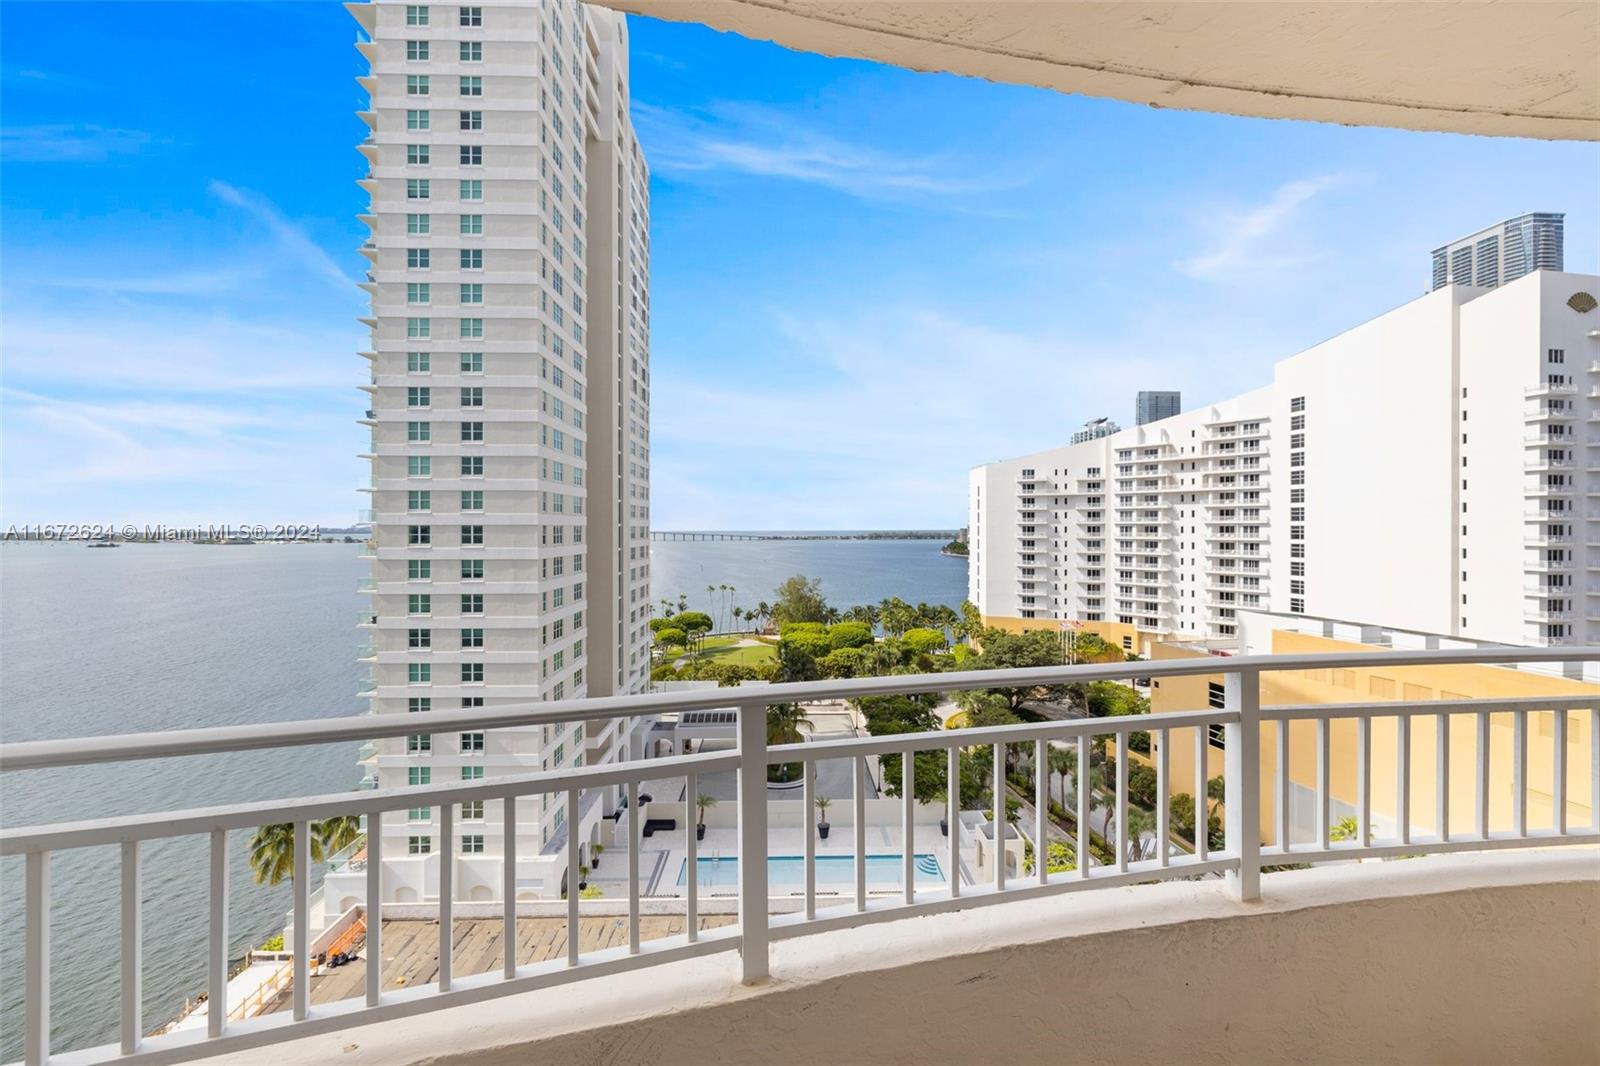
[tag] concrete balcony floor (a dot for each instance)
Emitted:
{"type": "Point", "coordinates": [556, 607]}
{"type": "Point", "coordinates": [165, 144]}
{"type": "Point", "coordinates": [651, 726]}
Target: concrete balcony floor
{"type": "Point", "coordinates": [1489, 957]}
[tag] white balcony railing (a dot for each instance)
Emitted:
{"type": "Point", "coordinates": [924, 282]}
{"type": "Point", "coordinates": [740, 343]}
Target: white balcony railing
{"type": "Point", "coordinates": [1244, 723]}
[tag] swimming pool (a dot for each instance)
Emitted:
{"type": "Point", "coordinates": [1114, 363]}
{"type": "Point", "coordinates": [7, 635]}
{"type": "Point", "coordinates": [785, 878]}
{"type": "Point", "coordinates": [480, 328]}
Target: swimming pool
{"type": "Point", "coordinates": [789, 871]}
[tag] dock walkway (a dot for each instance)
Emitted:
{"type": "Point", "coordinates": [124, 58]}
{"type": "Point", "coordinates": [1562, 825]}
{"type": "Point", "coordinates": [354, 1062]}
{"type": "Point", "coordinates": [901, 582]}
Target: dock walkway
{"type": "Point", "coordinates": [411, 950]}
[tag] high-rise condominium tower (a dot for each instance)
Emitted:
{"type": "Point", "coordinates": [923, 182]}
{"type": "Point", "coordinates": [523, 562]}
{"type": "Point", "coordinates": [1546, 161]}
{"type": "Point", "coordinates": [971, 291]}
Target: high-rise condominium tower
{"type": "Point", "coordinates": [509, 276]}
{"type": "Point", "coordinates": [1501, 253]}
{"type": "Point", "coordinates": [1094, 429]}
{"type": "Point", "coordinates": [1428, 469]}
{"type": "Point", "coordinates": [1154, 406]}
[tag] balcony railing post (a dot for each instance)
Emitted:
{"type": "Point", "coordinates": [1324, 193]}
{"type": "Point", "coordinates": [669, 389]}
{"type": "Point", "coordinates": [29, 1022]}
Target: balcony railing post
{"type": "Point", "coordinates": [753, 841]}
{"type": "Point", "coordinates": [36, 958]}
{"type": "Point", "coordinates": [1242, 696]}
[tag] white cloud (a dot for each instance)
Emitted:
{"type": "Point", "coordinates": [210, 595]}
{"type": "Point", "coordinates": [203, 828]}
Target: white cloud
{"type": "Point", "coordinates": [176, 352]}
{"type": "Point", "coordinates": [180, 283]}
{"type": "Point", "coordinates": [1246, 242]}
{"type": "Point", "coordinates": [310, 255]}
{"type": "Point", "coordinates": [664, 61]}
{"type": "Point", "coordinates": [897, 405]}
{"type": "Point", "coordinates": [163, 461]}
{"type": "Point", "coordinates": [745, 139]}
{"type": "Point", "coordinates": [226, 383]}
{"type": "Point", "coordinates": [69, 143]}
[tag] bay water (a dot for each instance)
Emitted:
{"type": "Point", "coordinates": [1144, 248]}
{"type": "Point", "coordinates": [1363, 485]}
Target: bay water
{"type": "Point", "coordinates": [155, 637]}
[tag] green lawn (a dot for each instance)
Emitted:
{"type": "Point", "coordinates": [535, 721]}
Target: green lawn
{"type": "Point", "coordinates": [725, 650]}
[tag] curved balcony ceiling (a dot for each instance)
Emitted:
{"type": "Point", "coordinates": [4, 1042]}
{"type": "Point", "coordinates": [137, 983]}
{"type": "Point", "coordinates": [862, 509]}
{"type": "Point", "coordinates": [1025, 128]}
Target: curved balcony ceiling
{"type": "Point", "coordinates": [1459, 66]}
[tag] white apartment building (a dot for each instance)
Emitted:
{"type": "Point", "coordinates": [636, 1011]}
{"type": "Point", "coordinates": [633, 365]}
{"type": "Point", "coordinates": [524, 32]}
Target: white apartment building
{"type": "Point", "coordinates": [510, 406]}
{"type": "Point", "coordinates": [1436, 468]}
{"type": "Point", "coordinates": [1094, 429]}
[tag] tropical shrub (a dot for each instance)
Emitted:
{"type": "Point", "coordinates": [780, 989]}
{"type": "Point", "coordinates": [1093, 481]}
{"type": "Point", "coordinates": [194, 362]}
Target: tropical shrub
{"type": "Point", "coordinates": [923, 641]}
{"type": "Point", "coordinates": [809, 637]}
{"type": "Point", "coordinates": [849, 635]}
{"type": "Point", "coordinates": [845, 662]}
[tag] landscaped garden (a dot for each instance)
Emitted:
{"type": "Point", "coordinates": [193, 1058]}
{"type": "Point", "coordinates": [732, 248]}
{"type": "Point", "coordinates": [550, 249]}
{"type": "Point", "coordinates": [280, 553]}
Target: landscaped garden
{"type": "Point", "coordinates": [801, 637]}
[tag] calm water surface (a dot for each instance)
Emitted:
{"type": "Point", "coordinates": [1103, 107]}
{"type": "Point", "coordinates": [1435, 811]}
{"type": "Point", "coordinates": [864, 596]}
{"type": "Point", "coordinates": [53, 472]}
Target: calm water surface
{"type": "Point", "coordinates": [851, 571]}
{"type": "Point", "coordinates": [149, 637]}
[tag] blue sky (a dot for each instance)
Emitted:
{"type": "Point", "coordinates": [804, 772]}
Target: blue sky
{"type": "Point", "coordinates": [864, 280]}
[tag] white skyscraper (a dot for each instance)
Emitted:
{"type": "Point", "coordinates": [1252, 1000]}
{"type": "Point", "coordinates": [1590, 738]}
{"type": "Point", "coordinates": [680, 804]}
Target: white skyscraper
{"type": "Point", "coordinates": [1427, 469]}
{"type": "Point", "coordinates": [509, 276]}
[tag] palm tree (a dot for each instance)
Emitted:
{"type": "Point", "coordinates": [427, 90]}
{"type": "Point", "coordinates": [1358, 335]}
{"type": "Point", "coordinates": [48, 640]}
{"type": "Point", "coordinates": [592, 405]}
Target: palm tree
{"type": "Point", "coordinates": [783, 727]}
{"type": "Point", "coordinates": [763, 612]}
{"type": "Point", "coordinates": [1022, 763]}
{"type": "Point", "coordinates": [272, 852]}
{"type": "Point", "coordinates": [337, 833]}
{"type": "Point", "coordinates": [783, 723]}
{"type": "Point", "coordinates": [1063, 761]}
{"type": "Point", "coordinates": [885, 655]}
{"type": "Point", "coordinates": [969, 622]}
{"type": "Point", "coordinates": [1108, 814]}
{"type": "Point", "coordinates": [711, 600]}
{"type": "Point", "coordinates": [896, 615]}
{"type": "Point", "coordinates": [1141, 822]}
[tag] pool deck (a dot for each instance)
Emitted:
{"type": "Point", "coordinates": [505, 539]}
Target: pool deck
{"type": "Point", "coordinates": [663, 854]}
{"type": "Point", "coordinates": [723, 843]}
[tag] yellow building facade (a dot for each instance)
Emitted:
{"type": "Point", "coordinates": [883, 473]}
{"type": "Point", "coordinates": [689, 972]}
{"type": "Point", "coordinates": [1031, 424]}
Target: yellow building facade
{"type": "Point", "coordinates": [1390, 684]}
{"type": "Point", "coordinates": [1117, 634]}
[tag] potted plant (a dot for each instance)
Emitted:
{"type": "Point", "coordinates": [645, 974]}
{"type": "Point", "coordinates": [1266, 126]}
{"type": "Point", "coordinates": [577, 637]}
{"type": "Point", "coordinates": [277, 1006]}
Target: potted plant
{"type": "Point", "coordinates": [702, 804]}
{"type": "Point", "coordinates": [594, 854]}
{"type": "Point", "coordinates": [823, 802]}
{"type": "Point", "coordinates": [943, 799]}
{"type": "Point", "coordinates": [583, 878]}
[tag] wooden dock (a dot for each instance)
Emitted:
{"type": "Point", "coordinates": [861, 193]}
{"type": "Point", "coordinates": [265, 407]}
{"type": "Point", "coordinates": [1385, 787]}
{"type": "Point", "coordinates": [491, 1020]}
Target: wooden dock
{"type": "Point", "coordinates": [411, 950]}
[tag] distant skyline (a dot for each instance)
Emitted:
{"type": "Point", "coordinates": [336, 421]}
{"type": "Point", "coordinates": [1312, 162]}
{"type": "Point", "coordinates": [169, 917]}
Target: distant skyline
{"type": "Point", "coordinates": [865, 280]}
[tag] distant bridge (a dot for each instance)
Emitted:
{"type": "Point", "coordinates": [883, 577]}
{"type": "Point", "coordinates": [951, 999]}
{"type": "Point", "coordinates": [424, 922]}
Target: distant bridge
{"type": "Point", "coordinates": [877, 534]}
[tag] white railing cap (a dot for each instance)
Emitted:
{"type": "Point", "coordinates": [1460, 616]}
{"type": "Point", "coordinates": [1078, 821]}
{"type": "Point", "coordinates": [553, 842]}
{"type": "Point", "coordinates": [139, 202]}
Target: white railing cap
{"type": "Point", "coordinates": [39, 754]}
